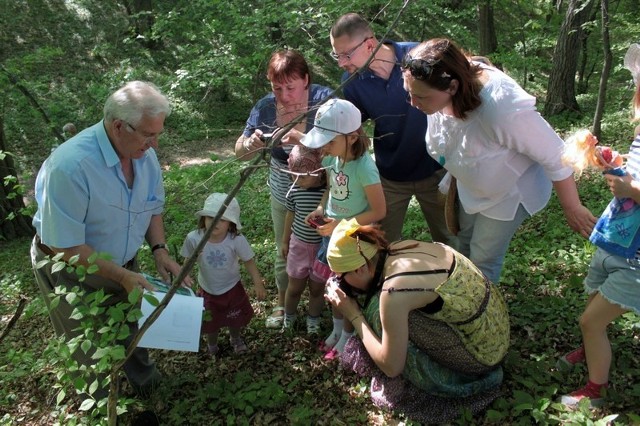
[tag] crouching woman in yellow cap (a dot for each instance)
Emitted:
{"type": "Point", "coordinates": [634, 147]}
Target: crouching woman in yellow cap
{"type": "Point", "coordinates": [432, 329]}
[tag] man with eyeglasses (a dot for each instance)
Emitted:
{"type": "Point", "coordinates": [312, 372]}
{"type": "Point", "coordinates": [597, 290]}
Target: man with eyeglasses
{"type": "Point", "coordinates": [100, 196]}
{"type": "Point", "coordinates": [406, 170]}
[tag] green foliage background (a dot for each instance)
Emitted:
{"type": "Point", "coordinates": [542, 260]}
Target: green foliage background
{"type": "Point", "coordinates": [210, 57]}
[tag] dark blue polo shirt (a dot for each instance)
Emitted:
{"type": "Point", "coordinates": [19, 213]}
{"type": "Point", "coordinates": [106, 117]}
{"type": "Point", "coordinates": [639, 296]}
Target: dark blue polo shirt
{"type": "Point", "coordinates": [399, 146]}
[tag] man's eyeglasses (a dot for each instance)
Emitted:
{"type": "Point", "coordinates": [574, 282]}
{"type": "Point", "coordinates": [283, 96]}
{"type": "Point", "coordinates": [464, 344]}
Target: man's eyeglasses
{"type": "Point", "coordinates": [348, 54]}
{"type": "Point", "coordinates": [148, 138]}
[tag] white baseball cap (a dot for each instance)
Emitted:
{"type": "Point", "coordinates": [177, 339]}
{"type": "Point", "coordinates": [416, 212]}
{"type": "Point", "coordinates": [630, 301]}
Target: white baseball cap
{"type": "Point", "coordinates": [335, 117]}
{"type": "Point", "coordinates": [214, 202]}
{"type": "Point", "coordinates": [632, 61]}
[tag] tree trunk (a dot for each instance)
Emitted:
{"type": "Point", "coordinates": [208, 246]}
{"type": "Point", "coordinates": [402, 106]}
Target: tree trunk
{"type": "Point", "coordinates": [486, 28]}
{"type": "Point", "coordinates": [606, 68]}
{"type": "Point", "coordinates": [584, 74]}
{"type": "Point", "coordinates": [561, 89]}
{"type": "Point", "coordinates": [13, 223]}
{"type": "Point", "coordinates": [142, 13]}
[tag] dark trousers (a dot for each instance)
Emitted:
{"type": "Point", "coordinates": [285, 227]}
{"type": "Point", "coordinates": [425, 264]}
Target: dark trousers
{"type": "Point", "coordinates": [139, 369]}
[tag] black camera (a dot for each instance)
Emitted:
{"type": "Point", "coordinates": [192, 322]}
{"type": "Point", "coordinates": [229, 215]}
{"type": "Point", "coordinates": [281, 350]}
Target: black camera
{"type": "Point", "coordinates": [339, 282]}
{"type": "Point", "coordinates": [333, 283]}
{"type": "Point", "coordinates": [265, 137]}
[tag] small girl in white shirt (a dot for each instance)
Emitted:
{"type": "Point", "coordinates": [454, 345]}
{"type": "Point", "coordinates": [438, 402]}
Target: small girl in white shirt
{"type": "Point", "coordinates": [225, 299]}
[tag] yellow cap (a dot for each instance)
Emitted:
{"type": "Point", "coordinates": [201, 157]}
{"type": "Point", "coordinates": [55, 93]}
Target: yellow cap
{"type": "Point", "coordinates": [343, 253]}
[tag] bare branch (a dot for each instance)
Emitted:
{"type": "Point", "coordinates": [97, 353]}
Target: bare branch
{"type": "Point", "coordinates": [14, 319]}
{"type": "Point", "coordinates": [14, 80]}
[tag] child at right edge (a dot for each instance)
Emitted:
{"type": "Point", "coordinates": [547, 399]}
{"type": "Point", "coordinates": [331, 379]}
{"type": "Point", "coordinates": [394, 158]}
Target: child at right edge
{"type": "Point", "coordinates": [614, 274]}
{"type": "Point", "coordinates": [354, 190]}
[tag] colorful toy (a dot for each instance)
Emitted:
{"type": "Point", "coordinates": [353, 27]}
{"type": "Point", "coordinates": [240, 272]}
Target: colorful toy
{"type": "Point", "coordinates": [582, 151]}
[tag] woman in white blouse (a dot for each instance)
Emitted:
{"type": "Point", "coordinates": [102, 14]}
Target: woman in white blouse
{"type": "Point", "coordinates": [484, 129]}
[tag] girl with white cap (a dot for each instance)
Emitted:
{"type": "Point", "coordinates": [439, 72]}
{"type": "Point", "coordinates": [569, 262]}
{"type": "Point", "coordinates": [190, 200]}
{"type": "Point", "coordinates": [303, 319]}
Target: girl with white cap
{"type": "Point", "coordinates": [225, 299]}
{"type": "Point", "coordinates": [354, 189]}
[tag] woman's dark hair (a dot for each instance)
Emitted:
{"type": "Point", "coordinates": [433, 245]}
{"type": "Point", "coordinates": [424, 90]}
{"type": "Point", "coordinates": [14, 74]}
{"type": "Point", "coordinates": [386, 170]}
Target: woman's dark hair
{"type": "Point", "coordinates": [446, 62]}
{"type": "Point", "coordinates": [286, 65]}
{"type": "Point", "coordinates": [233, 229]}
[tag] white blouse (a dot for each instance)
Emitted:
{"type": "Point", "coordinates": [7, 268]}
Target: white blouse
{"type": "Point", "coordinates": [503, 155]}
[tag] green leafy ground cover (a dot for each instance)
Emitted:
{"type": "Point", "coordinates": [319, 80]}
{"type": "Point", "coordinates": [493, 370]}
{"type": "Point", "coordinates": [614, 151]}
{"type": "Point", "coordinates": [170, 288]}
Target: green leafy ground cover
{"type": "Point", "coordinates": [210, 59]}
{"type": "Point", "coordinates": [283, 380]}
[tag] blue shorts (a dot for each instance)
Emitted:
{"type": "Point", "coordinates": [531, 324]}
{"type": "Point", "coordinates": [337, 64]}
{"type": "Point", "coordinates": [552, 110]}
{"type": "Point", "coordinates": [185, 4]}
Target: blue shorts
{"type": "Point", "coordinates": [301, 258]}
{"type": "Point", "coordinates": [617, 279]}
{"type": "Point", "coordinates": [321, 266]}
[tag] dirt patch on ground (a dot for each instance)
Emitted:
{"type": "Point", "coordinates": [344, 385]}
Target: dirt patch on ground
{"type": "Point", "coordinates": [189, 153]}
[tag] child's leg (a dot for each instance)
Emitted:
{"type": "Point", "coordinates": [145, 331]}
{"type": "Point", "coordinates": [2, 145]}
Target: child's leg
{"type": "Point", "coordinates": [292, 299]}
{"type": "Point", "coordinates": [577, 356]}
{"type": "Point", "coordinates": [316, 298]}
{"type": "Point", "coordinates": [237, 342]}
{"type": "Point", "coordinates": [347, 332]}
{"type": "Point", "coordinates": [338, 324]}
{"type": "Point", "coordinates": [212, 342]}
{"type": "Point", "coordinates": [316, 304]}
{"type": "Point", "coordinates": [598, 314]}
{"type": "Point", "coordinates": [235, 333]}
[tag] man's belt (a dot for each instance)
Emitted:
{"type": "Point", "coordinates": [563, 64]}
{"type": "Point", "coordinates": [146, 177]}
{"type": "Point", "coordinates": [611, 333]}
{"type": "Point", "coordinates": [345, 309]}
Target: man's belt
{"type": "Point", "coordinates": [47, 250]}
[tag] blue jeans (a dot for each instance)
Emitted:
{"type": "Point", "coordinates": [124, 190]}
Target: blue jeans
{"type": "Point", "coordinates": [485, 241]}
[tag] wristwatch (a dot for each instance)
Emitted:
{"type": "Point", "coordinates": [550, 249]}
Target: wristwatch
{"type": "Point", "coordinates": [159, 246]}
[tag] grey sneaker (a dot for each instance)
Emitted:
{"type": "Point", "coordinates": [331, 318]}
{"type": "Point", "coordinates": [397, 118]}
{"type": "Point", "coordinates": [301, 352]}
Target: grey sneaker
{"type": "Point", "coordinates": [239, 346]}
{"type": "Point", "coordinates": [289, 322]}
{"type": "Point", "coordinates": [313, 325]}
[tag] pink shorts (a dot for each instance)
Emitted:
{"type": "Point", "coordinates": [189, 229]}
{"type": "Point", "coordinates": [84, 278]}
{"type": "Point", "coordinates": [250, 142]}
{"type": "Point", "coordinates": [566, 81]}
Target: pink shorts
{"type": "Point", "coordinates": [301, 258]}
{"type": "Point", "coordinates": [231, 309]}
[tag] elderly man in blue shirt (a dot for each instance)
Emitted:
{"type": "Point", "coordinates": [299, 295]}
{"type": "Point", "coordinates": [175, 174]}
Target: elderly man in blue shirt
{"type": "Point", "coordinates": [101, 192]}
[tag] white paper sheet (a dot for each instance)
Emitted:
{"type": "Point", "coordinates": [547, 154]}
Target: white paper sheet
{"type": "Point", "coordinates": [177, 328]}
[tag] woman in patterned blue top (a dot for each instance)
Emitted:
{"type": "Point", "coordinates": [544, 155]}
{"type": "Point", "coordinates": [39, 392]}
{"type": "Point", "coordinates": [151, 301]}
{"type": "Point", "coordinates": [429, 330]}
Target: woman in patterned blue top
{"type": "Point", "coordinates": [292, 94]}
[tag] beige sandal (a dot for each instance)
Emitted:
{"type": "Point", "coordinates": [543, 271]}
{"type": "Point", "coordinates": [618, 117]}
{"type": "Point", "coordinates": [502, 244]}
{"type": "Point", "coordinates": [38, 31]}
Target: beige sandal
{"type": "Point", "coordinates": [273, 320]}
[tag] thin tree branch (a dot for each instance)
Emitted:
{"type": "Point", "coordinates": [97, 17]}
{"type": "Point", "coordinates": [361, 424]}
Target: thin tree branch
{"type": "Point", "coordinates": [14, 319]}
{"type": "Point", "coordinates": [16, 82]}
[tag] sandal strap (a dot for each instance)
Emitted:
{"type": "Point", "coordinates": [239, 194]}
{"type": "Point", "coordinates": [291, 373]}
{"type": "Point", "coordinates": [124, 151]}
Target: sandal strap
{"type": "Point", "coordinates": [239, 345]}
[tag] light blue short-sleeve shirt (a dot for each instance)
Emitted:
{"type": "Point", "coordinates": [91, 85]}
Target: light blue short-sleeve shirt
{"type": "Point", "coordinates": [347, 197]}
{"type": "Point", "coordinates": [83, 197]}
